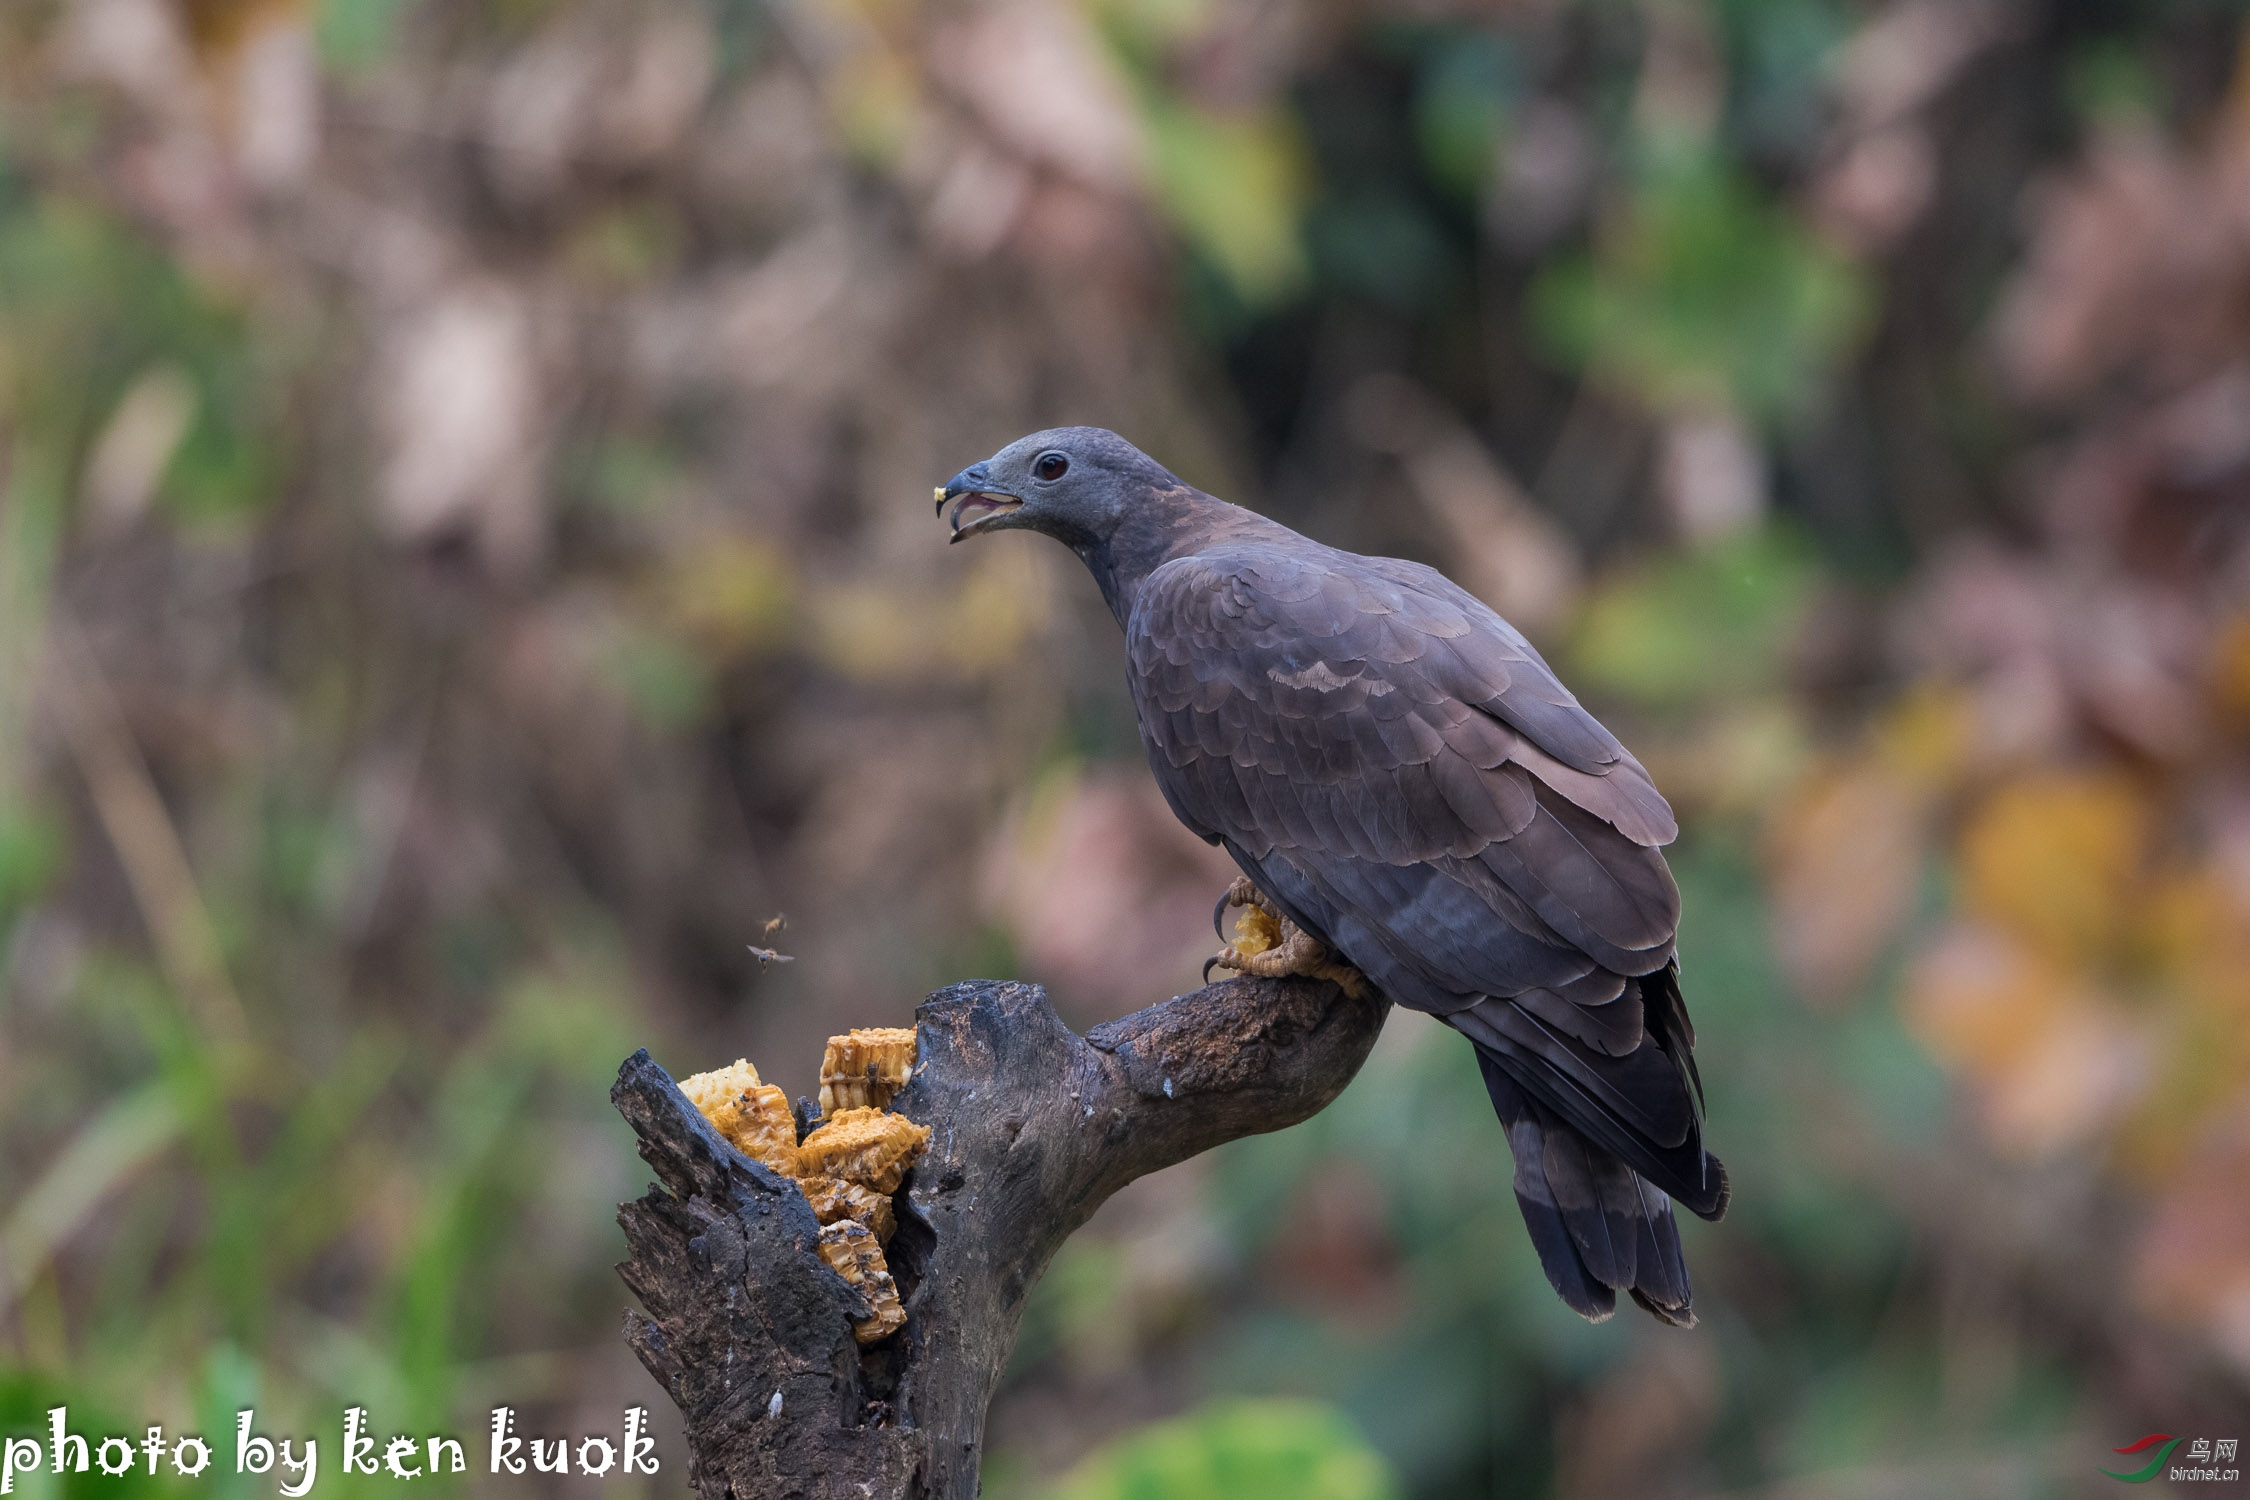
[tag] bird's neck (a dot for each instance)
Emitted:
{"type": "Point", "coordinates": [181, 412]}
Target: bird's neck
{"type": "Point", "coordinates": [1172, 523]}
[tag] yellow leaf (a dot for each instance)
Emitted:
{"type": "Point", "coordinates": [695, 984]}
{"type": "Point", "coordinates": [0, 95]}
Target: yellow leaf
{"type": "Point", "coordinates": [2052, 1064]}
{"type": "Point", "coordinates": [735, 594]}
{"type": "Point", "coordinates": [2198, 994]}
{"type": "Point", "coordinates": [1927, 734]}
{"type": "Point", "coordinates": [2055, 859]}
{"type": "Point", "coordinates": [1976, 998]}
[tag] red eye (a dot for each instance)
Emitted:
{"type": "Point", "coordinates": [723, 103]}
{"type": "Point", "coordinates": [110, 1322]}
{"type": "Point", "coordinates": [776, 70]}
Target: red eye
{"type": "Point", "coordinates": [1051, 466]}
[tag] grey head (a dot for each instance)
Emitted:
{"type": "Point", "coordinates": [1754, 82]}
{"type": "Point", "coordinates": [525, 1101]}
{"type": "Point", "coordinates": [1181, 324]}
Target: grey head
{"type": "Point", "coordinates": [1121, 511]}
{"type": "Point", "coordinates": [1075, 484]}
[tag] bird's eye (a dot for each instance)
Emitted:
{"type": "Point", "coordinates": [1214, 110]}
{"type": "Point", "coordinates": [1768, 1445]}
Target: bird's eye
{"type": "Point", "coordinates": [1051, 466]}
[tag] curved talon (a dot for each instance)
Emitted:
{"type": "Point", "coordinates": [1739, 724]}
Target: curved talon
{"type": "Point", "coordinates": [1242, 892]}
{"type": "Point", "coordinates": [1292, 951]}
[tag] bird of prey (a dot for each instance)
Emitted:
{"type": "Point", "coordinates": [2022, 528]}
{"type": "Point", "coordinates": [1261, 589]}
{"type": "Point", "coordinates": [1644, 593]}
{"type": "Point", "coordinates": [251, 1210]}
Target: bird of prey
{"type": "Point", "coordinates": [1401, 776]}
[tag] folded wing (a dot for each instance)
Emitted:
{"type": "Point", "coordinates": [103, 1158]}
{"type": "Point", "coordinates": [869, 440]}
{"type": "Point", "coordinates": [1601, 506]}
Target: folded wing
{"type": "Point", "coordinates": [1404, 774]}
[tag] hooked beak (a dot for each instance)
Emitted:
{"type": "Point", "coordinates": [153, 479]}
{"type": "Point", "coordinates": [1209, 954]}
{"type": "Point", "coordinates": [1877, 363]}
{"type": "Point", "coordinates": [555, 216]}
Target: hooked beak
{"type": "Point", "coordinates": [980, 509]}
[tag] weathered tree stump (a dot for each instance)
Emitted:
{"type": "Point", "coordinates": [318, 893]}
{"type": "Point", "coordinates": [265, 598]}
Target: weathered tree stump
{"type": "Point", "coordinates": [1032, 1127]}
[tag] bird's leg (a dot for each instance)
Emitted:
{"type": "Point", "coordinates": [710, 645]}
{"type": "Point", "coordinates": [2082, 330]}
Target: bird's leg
{"type": "Point", "coordinates": [1269, 945]}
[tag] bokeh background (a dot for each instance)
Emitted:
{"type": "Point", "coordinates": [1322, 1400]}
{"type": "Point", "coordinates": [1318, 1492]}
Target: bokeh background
{"type": "Point", "coordinates": [466, 563]}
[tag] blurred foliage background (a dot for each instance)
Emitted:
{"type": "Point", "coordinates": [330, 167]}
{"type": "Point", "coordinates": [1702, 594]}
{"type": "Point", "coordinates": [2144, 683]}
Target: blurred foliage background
{"type": "Point", "coordinates": [465, 563]}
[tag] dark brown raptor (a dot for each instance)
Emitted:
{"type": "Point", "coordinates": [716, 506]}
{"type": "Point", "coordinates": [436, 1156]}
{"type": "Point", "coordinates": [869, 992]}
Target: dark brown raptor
{"type": "Point", "coordinates": [1402, 775]}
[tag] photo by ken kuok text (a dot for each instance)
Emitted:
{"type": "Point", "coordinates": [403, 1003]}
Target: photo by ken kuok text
{"type": "Point", "coordinates": [295, 1461]}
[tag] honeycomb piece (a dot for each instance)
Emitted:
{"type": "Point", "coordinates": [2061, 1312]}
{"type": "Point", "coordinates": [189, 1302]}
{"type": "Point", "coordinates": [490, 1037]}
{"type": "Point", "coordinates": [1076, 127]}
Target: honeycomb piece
{"type": "Point", "coordinates": [864, 1069]}
{"type": "Point", "coordinates": [850, 1248]}
{"type": "Point", "coordinates": [833, 1199]}
{"type": "Point", "coordinates": [767, 1132]}
{"type": "Point", "coordinates": [1255, 931]}
{"type": "Point", "coordinates": [754, 1116]}
{"type": "Point", "coordinates": [707, 1091]}
{"type": "Point", "coordinates": [865, 1146]}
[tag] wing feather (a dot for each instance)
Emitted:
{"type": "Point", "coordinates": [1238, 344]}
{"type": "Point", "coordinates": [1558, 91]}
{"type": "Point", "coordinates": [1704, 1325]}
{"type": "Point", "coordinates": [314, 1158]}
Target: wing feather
{"type": "Point", "coordinates": [1403, 772]}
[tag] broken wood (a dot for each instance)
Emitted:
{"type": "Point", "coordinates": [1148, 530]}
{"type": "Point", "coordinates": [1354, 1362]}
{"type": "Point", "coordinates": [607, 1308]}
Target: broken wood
{"type": "Point", "coordinates": [1032, 1127]}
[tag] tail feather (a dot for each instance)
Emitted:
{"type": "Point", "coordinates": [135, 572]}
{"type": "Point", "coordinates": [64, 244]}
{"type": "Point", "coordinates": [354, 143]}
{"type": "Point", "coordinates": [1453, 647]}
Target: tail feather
{"type": "Point", "coordinates": [1598, 1227]}
{"type": "Point", "coordinates": [1662, 1284]}
{"type": "Point", "coordinates": [1530, 1054]}
{"type": "Point", "coordinates": [1599, 1202]}
{"type": "Point", "coordinates": [1566, 1270]}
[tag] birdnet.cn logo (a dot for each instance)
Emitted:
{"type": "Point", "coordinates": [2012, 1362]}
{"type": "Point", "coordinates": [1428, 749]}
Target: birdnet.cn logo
{"type": "Point", "coordinates": [2206, 1458]}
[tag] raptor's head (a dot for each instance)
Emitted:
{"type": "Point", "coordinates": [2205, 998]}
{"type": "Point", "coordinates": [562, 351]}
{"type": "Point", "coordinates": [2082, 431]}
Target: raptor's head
{"type": "Point", "coordinates": [1076, 484]}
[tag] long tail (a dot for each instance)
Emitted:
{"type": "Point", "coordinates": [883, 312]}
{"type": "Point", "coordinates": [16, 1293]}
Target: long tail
{"type": "Point", "coordinates": [1599, 1227]}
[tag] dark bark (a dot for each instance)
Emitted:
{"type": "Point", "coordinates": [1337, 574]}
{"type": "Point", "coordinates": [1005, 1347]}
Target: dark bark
{"type": "Point", "coordinates": [1032, 1127]}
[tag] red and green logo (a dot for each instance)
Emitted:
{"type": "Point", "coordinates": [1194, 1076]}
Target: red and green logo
{"type": "Point", "coordinates": [2155, 1465]}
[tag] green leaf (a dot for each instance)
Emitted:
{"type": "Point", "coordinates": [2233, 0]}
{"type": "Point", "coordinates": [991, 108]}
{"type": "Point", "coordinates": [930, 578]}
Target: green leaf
{"type": "Point", "coordinates": [1238, 1450]}
{"type": "Point", "coordinates": [1687, 627]}
{"type": "Point", "coordinates": [32, 845]}
{"type": "Point", "coordinates": [87, 307]}
{"type": "Point", "coordinates": [1705, 294]}
{"type": "Point", "coordinates": [26, 1397]}
{"type": "Point", "coordinates": [354, 35]}
{"type": "Point", "coordinates": [1235, 186]}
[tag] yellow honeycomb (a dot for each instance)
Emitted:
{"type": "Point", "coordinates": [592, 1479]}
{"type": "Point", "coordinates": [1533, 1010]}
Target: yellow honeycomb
{"type": "Point", "coordinates": [849, 1167]}
{"type": "Point", "coordinates": [865, 1146]}
{"type": "Point", "coordinates": [1255, 932]}
{"type": "Point", "coordinates": [754, 1116]}
{"type": "Point", "coordinates": [710, 1091]}
{"type": "Point", "coordinates": [865, 1069]}
{"type": "Point", "coordinates": [852, 1250]}
{"type": "Point", "coordinates": [834, 1199]}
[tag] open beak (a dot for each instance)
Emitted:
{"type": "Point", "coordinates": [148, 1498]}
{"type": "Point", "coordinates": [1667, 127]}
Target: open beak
{"type": "Point", "coordinates": [978, 509]}
{"type": "Point", "coordinates": [975, 508]}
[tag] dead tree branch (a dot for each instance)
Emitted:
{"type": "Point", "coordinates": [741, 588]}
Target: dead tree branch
{"type": "Point", "coordinates": [1032, 1127]}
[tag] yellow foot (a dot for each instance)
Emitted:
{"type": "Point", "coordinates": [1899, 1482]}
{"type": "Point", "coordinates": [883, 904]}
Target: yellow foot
{"type": "Point", "coordinates": [1269, 945]}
